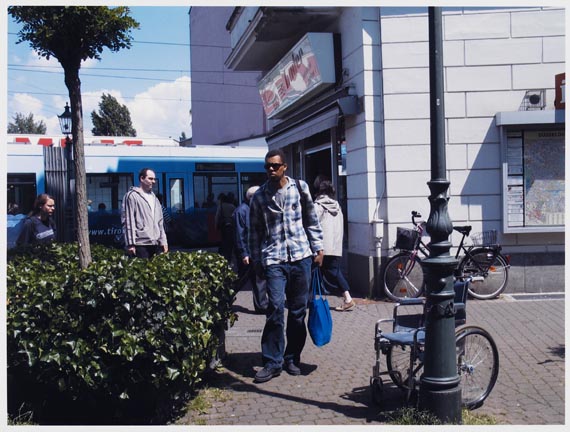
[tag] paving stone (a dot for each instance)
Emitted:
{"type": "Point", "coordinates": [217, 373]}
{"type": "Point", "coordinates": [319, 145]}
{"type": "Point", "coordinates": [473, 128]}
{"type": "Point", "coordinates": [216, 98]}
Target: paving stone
{"type": "Point", "coordinates": [333, 389]}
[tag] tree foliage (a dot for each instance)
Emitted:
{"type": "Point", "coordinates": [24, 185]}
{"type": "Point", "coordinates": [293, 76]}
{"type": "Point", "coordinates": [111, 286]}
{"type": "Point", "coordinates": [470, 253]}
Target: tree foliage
{"type": "Point", "coordinates": [25, 124]}
{"type": "Point", "coordinates": [72, 34]}
{"type": "Point", "coordinates": [113, 119]}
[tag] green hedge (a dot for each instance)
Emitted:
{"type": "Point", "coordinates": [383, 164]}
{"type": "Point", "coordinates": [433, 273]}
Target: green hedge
{"type": "Point", "coordinates": [126, 333]}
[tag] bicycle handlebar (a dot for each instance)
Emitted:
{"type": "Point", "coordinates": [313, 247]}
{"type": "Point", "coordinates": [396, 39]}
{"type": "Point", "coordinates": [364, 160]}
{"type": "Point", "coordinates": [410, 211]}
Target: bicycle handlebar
{"type": "Point", "coordinates": [415, 215]}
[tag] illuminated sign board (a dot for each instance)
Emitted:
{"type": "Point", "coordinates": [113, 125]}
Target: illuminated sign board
{"type": "Point", "coordinates": [307, 68]}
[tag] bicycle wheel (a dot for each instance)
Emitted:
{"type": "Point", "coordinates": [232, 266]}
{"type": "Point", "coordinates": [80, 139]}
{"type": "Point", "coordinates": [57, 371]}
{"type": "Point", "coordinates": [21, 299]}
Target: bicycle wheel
{"type": "Point", "coordinates": [398, 364]}
{"type": "Point", "coordinates": [490, 274]}
{"type": "Point", "coordinates": [477, 364]}
{"type": "Point", "coordinates": [403, 277]}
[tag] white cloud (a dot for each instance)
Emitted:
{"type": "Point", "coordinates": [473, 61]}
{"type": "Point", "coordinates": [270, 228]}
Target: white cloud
{"type": "Point", "coordinates": [162, 110]}
{"type": "Point", "coordinates": [25, 103]}
{"type": "Point", "coordinates": [34, 59]}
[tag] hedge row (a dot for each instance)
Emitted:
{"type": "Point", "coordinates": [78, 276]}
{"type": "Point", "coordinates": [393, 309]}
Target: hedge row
{"type": "Point", "coordinates": [125, 333]}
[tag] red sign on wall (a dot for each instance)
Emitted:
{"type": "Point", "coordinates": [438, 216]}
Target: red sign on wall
{"type": "Point", "coordinates": [307, 68]}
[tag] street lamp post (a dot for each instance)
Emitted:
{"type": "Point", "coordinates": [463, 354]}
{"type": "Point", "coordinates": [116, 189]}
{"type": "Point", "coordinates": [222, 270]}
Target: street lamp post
{"type": "Point", "coordinates": [439, 390]}
{"type": "Point", "coordinates": [65, 123]}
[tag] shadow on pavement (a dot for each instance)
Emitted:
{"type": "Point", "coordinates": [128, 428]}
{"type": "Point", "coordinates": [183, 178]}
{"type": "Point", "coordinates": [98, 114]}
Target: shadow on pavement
{"type": "Point", "coordinates": [240, 371]}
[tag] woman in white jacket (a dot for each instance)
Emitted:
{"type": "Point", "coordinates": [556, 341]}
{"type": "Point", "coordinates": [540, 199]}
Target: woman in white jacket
{"type": "Point", "coordinates": [331, 219]}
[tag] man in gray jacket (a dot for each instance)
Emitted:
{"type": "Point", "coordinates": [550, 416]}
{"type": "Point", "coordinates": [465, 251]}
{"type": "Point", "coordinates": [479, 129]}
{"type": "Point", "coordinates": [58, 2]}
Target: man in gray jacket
{"type": "Point", "coordinates": [142, 219]}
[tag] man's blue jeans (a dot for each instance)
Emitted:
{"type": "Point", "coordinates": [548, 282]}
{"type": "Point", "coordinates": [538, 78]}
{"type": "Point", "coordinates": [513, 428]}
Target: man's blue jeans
{"type": "Point", "coordinates": [291, 280]}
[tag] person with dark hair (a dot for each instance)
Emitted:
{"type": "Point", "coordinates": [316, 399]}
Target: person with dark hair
{"type": "Point", "coordinates": [285, 236]}
{"type": "Point", "coordinates": [13, 209]}
{"type": "Point", "coordinates": [331, 219]}
{"type": "Point", "coordinates": [39, 226]}
{"type": "Point", "coordinates": [244, 264]}
{"type": "Point", "coordinates": [102, 207]}
{"type": "Point", "coordinates": [142, 219]}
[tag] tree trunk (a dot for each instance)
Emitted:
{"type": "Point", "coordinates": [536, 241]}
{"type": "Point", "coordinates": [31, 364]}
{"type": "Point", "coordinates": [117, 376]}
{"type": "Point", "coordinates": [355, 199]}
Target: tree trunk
{"type": "Point", "coordinates": [73, 84]}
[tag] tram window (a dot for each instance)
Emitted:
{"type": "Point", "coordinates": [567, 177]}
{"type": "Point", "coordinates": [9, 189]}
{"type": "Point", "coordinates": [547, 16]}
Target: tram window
{"type": "Point", "coordinates": [251, 179]}
{"type": "Point", "coordinates": [108, 189]}
{"type": "Point", "coordinates": [177, 194]}
{"type": "Point", "coordinates": [208, 186]}
{"type": "Point", "coordinates": [21, 193]}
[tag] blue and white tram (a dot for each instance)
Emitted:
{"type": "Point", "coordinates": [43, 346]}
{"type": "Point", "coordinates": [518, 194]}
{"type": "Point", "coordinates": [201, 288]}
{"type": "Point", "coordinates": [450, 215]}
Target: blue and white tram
{"type": "Point", "coordinates": [189, 180]}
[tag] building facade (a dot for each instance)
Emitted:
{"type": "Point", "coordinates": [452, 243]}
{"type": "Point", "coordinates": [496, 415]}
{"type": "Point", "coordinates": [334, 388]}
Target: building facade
{"type": "Point", "coordinates": [345, 93]}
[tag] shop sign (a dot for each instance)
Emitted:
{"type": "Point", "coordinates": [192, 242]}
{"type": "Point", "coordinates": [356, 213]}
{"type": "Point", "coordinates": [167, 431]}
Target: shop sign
{"type": "Point", "coordinates": [306, 69]}
{"type": "Point", "coordinates": [560, 91]}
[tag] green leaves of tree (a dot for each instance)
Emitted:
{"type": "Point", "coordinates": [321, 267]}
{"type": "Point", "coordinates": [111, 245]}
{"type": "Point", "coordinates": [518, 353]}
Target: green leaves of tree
{"type": "Point", "coordinates": [74, 33]}
{"type": "Point", "coordinates": [113, 119]}
{"type": "Point", "coordinates": [23, 124]}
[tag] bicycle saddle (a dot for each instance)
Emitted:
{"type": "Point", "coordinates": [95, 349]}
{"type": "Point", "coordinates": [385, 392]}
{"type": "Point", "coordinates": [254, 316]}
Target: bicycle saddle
{"type": "Point", "coordinates": [465, 230]}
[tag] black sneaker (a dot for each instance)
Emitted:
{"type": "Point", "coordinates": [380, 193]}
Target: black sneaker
{"type": "Point", "coordinates": [292, 369]}
{"type": "Point", "coordinates": [266, 374]}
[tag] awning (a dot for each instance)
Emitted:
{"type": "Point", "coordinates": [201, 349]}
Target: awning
{"type": "Point", "coordinates": [313, 124]}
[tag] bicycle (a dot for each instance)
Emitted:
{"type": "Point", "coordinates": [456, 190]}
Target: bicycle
{"type": "Point", "coordinates": [483, 261]}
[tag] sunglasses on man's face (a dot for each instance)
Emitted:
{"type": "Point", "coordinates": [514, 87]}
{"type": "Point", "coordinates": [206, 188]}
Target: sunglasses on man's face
{"type": "Point", "coordinates": [273, 166]}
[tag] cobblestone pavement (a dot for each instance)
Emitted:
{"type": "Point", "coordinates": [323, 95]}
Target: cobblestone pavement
{"type": "Point", "coordinates": [334, 385]}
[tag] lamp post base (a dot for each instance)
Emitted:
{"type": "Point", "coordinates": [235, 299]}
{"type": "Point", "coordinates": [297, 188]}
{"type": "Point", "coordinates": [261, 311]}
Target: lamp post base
{"type": "Point", "coordinates": [444, 404]}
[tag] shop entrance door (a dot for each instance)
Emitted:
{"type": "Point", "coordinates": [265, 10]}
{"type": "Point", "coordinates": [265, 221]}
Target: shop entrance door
{"type": "Point", "coordinates": [318, 161]}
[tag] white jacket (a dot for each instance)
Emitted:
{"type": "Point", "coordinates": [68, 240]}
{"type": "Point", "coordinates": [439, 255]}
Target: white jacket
{"type": "Point", "coordinates": [331, 219]}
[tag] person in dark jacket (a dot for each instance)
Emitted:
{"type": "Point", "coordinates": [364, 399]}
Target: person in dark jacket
{"type": "Point", "coordinates": [245, 266]}
{"type": "Point", "coordinates": [142, 219]}
{"type": "Point", "coordinates": [39, 226]}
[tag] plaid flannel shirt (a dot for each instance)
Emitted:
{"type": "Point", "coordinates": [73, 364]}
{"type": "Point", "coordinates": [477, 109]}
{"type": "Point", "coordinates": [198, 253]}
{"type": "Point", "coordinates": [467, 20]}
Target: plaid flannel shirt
{"type": "Point", "coordinates": [277, 234]}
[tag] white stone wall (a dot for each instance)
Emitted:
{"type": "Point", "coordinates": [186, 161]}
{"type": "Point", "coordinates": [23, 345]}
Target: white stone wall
{"type": "Point", "coordinates": [360, 30]}
{"type": "Point", "coordinates": [490, 59]}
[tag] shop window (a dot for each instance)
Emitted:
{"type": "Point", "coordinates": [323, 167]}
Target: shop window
{"type": "Point", "coordinates": [533, 198]}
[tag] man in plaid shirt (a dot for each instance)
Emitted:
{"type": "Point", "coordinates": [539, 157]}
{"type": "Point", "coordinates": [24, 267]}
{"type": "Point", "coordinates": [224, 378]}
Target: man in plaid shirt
{"type": "Point", "coordinates": [282, 249]}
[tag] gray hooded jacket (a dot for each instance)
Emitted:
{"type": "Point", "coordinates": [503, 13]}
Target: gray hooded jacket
{"type": "Point", "coordinates": [331, 219]}
{"type": "Point", "coordinates": [142, 226]}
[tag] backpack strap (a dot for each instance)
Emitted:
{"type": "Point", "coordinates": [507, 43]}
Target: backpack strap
{"type": "Point", "coordinates": [303, 202]}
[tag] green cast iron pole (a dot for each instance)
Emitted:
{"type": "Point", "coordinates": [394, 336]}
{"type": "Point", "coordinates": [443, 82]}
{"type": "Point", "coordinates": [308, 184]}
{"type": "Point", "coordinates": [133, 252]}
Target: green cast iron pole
{"type": "Point", "coordinates": [439, 390]}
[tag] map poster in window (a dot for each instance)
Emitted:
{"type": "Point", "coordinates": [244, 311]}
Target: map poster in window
{"type": "Point", "coordinates": [544, 178]}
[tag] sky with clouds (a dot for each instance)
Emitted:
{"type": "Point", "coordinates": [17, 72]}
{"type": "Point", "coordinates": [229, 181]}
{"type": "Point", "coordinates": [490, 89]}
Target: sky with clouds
{"type": "Point", "coordinates": [152, 78]}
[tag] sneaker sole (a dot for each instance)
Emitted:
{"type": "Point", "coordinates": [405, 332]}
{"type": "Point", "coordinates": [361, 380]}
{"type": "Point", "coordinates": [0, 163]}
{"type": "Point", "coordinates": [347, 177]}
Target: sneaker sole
{"type": "Point", "coordinates": [348, 309]}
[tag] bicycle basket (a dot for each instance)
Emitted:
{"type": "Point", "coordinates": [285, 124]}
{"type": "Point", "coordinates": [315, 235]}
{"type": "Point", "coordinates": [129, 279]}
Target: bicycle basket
{"type": "Point", "coordinates": [484, 238]}
{"type": "Point", "coordinates": [406, 239]}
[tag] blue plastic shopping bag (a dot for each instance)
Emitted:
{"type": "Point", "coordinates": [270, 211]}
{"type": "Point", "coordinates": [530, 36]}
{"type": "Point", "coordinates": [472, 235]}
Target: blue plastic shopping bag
{"type": "Point", "coordinates": [320, 319]}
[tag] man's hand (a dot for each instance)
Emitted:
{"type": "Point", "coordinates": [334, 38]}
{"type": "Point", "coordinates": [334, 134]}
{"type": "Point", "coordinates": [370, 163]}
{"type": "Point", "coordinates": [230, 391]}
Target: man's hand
{"type": "Point", "coordinates": [245, 260]}
{"type": "Point", "coordinates": [131, 250]}
{"type": "Point", "coordinates": [165, 248]}
{"type": "Point", "coordinates": [319, 258]}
